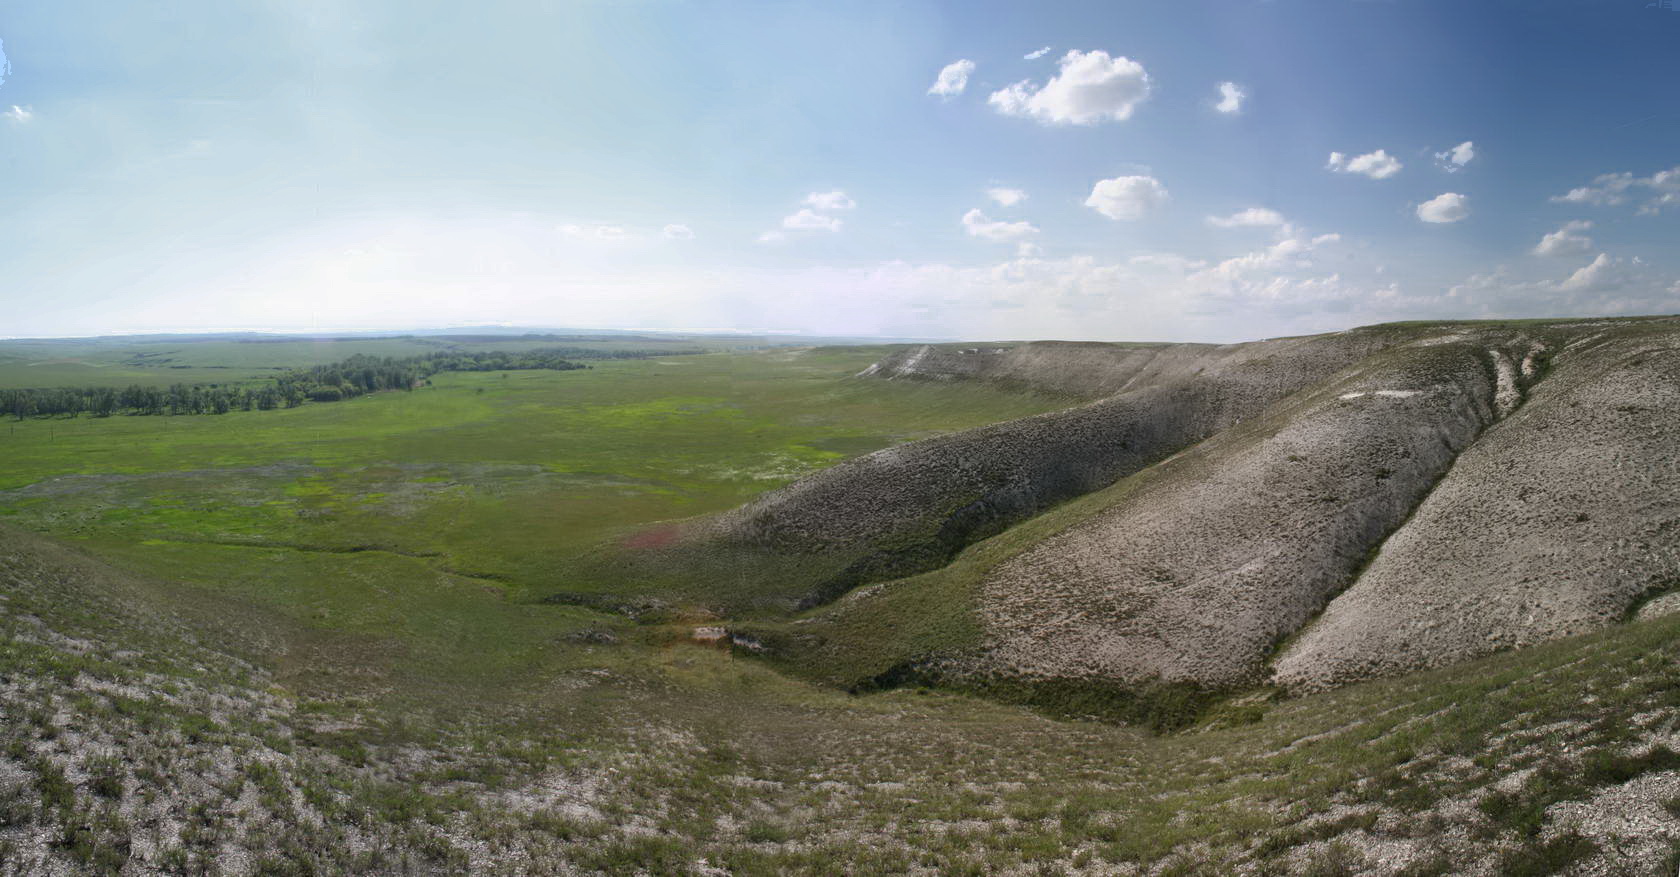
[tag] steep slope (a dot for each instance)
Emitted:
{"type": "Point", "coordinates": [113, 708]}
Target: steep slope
{"type": "Point", "coordinates": [1212, 557]}
{"type": "Point", "coordinates": [911, 508]}
{"type": "Point", "coordinates": [1555, 523]}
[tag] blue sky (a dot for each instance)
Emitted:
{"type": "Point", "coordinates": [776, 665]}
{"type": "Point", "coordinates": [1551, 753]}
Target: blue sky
{"type": "Point", "coordinates": [792, 166]}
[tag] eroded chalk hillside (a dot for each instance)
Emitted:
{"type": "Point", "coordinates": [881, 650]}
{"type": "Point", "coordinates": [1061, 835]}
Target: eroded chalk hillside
{"type": "Point", "coordinates": [912, 508]}
{"type": "Point", "coordinates": [1560, 520]}
{"type": "Point", "coordinates": [1301, 512]}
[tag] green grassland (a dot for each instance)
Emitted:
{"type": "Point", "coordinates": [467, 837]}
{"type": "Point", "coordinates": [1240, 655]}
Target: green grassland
{"type": "Point", "coordinates": [317, 635]}
{"type": "Point", "coordinates": [437, 517]}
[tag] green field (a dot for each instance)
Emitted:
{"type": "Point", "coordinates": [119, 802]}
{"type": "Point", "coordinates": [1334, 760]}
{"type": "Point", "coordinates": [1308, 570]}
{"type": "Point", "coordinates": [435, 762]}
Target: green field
{"type": "Point", "coordinates": [438, 516]}
{"type": "Point", "coordinates": [322, 629]}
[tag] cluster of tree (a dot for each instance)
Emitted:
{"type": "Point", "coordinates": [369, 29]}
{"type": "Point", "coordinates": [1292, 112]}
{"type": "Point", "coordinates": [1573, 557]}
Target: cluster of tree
{"type": "Point", "coordinates": [345, 379]}
{"type": "Point", "coordinates": [369, 374]}
{"type": "Point", "coordinates": [105, 401]}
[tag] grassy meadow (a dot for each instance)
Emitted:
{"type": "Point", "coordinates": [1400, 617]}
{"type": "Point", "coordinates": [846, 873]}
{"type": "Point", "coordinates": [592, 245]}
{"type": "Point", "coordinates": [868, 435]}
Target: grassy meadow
{"type": "Point", "coordinates": [436, 517]}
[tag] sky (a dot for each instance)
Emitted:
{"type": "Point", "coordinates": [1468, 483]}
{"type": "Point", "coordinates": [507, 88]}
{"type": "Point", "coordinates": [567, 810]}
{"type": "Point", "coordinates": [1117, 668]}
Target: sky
{"type": "Point", "coordinates": [1192, 170]}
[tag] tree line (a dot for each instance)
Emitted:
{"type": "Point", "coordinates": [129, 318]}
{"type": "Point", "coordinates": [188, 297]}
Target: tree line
{"type": "Point", "coordinates": [346, 379]}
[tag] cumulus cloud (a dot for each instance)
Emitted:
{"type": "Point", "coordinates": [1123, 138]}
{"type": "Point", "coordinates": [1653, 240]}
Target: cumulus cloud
{"type": "Point", "coordinates": [595, 231]}
{"type": "Point", "coordinates": [1151, 293]}
{"type": "Point", "coordinates": [1605, 286]}
{"type": "Point", "coordinates": [1445, 207]}
{"type": "Point", "coordinates": [835, 200]}
{"type": "Point", "coordinates": [1126, 197]}
{"type": "Point", "coordinates": [1006, 197]}
{"type": "Point", "coordinates": [953, 78]}
{"type": "Point", "coordinates": [1230, 98]}
{"type": "Point", "coordinates": [1602, 273]}
{"type": "Point", "coordinates": [1453, 160]}
{"type": "Point", "coordinates": [1566, 241]}
{"type": "Point", "coordinates": [1659, 190]}
{"type": "Point", "coordinates": [678, 232]}
{"type": "Point", "coordinates": [1607, 189]}
{"type": "Point", "coordinates": [1090, 87]}
{"type": "Point", "coordinates": [1377, 165]}
{"type": "Point", "coordinates": [1291, 252]}
{"type": "Point", "coordinates": [19, 115]}
{"type": "Point", "coordinates": [1036, 54]}
{"type": "Point", "coordinates": [1253, 217]}
{"type": "Point", "coordinates": [816, 215]}
{"type": "Point", "coordinates": [979, 226]}
{"type": "Point", "coordinates": [810, 220]}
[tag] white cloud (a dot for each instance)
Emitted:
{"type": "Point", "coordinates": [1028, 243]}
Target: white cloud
{"type": "Point", "coordinates": [1605, 286]}
{"type": "Point", "coordinates": [1036, 54]}
{"type": "Point", "coordinates": [1566, 241]}
{"type": "Point", "coordinates": [835, 200]}
{"type": "Point", "coordinates": [981, 227]}
{"type": "Point", "coordinates": [594, 231]}
{"type": "Point", "coordinates": [1608, 191]}
{"type": "Point", "coordinates": [1253, 217]}
{"type": "Point", "coordinates": [1144, 296]}
{"type": "Point", "coordinates": [1453, 160]}
{"type": "Point", "coordinates": [1006, 197]}
{"type": "Point", "coordinates": [953, 78]}
{"type": "Point", "coordinates": [1126, 197]}
{"type": "Point", "coordinates": [1230, 98]}
{"type": "Point", "coordinates": [19, 115]}
{"type": "Point", "coordinates": [1090, 87]}
{"type": "Point", "coordinates": [814, 216]}
{"type": "Point", "coordinates": [1614, 189]}
{"type": "Point", "coordinates": [1377, 165]}
{"type": "Point", "coordinates": [810, 220]}
{"type": "Point", "coordinates": [1290, 253]}
{"type": "Point", "coordinates": [678, 232]}
{"type": "Point", "coordinates": [1445, 207]}
{"type": "Point", "coordinates": [1602, 273]}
